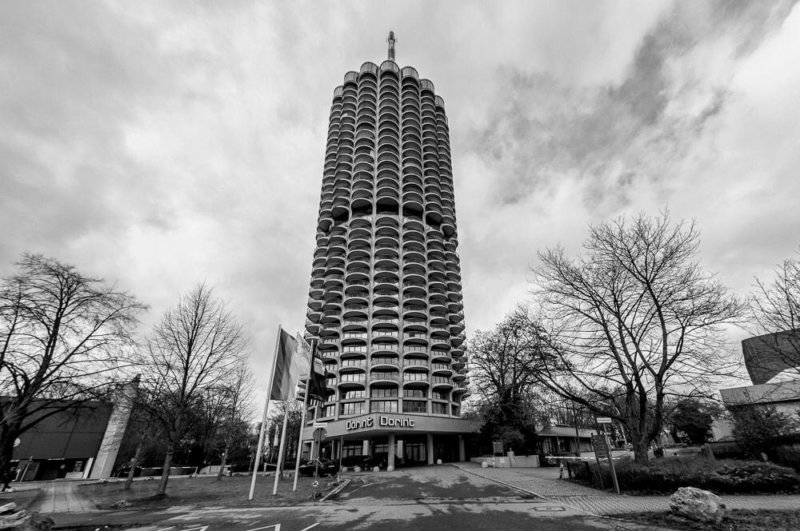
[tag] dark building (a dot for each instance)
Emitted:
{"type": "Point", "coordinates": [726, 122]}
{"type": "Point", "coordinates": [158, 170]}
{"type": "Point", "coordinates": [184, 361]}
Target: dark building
{"type": "Point", "coordinates": [385, 301]}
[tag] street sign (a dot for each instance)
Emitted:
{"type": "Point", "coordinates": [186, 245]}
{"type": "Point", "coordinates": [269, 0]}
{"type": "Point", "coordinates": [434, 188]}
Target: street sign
{"type": "Point", "coordinates": [319, 425]}
{"type": "Point", "coordinates": [600, 446]}
{"type": "Point", "coordinates": [604, 420]}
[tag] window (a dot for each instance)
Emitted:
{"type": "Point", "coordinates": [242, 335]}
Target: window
{"type": "Point", "coordinates": [379, 392]}
{"type": "Point", "coordinates": [351, 408]}
{"type": "Point", "coordinates": [414, 406]}
{"type": "Point", "coordinates": [438, 409]}
{"type": "Point", "coordinates": [441, 395]}
{"type": "Point", "coordinates": [359, 393]}
{"type": "Point", "coordinates": [328, 411]}
{"type": "Point", "coordinates": [383, 406]}
{"type": "Point", "coordinates": [414, 393]}
{"type": "Point", "coordinates": [415, 376]}
{"type": "Point", "coordinates": [456, 411]}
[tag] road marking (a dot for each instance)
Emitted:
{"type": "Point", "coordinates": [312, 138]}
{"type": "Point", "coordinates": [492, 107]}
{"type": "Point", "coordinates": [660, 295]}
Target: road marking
{"type": "Point", "coordinates": [549, 508]}
{"type": "Point", "coordinates": [309, 527]}
{"type": "Point", "coordinates": [276, 527]}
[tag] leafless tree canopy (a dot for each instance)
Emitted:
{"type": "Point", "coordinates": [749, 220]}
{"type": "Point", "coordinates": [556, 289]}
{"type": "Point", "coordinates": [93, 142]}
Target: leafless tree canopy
{"type": "Point", "coordinates": [62, 337]}
{"type": "Point", "coordinates": [632, 318]}
{"type": "Point", "coordinates": [196, 347]}
{"type": "Point", "coordinates": [776, 312]}
{"type": "Point", "coordinates": [504, 361]}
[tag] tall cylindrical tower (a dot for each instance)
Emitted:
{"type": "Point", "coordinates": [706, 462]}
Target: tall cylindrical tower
{"type": "Point", "coordinates": [385, 301]}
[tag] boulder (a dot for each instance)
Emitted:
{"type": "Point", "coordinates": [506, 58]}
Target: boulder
{"type": "Point", "coordinates": [697, 504]}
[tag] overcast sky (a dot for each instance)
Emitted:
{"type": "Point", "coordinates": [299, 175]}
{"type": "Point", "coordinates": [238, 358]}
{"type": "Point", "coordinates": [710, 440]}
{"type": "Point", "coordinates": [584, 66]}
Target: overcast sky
{"type": "Point", "coordinates": [163, 144]}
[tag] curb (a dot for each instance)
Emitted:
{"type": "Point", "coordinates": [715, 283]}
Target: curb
{"type": "Point", "coordinates": [335, 491]}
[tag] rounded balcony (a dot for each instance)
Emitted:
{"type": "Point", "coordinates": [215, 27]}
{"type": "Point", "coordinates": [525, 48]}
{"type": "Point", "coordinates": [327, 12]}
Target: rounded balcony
{"type": "Point", "coordinates": [386, 274]}
{"type": "Point", "coordinates": [383, 376]}
{"type": "Point", "coordinates": [358, 265]}
{"type": "Point", "coordinates": [356, 276]}
{"type": "Point", "coordinates": [441, 382]}
{"type": "Point", "coordinates": [385, 283]}
{"type": "Point", "coordinates": [352, 380]}
{"type": "Point", "coordinates": [457, 352]}
{"type": "Point", "coordinates": [415, 325]}
{"type": "Point", "coordinates": [355, 311]}
{"type": "Point", "coordinates": [355, 325]}
{"type": "Point", "coordinates": [387, 242]}
{"type": "Point", "coordinates": [383, 362]}
{"type": "Point", "coordinates": [386, 264]}
{"type": "Point", "coordinates": [441, 369]}
{"type": "Point", "coordinates": [414, 350]}
{"type": "Point", "coordinates": [313, 315]}
{"type": "Point", "coordinates": [412, 377]}
{"type": "Point", "coordinates": [386, 312]}
{"type": "Point", "coordinates": [383, 348]}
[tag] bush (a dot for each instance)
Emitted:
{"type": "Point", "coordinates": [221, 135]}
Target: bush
{"type": "Point", "coordinates": [720, 476]}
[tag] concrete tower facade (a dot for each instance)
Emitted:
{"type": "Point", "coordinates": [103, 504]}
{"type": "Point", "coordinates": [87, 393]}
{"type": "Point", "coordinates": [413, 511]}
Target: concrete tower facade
{"type": "Point", "coordinates": [385, 302]}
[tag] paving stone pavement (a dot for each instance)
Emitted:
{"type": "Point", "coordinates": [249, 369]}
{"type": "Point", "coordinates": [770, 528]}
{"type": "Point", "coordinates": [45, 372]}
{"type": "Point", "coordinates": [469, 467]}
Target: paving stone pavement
{"type": "Point", "coordinates": [544, 482]}
{"type": "Point", "coordinates": [61, 497]}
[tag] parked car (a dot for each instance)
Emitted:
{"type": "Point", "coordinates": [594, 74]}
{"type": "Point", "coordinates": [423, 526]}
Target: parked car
{"type": "Point", "coordinates": [325, 467]}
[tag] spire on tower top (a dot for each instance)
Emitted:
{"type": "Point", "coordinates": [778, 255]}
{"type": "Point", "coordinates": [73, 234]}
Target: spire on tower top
{"type": "Point", "coordinates": [391, 42]}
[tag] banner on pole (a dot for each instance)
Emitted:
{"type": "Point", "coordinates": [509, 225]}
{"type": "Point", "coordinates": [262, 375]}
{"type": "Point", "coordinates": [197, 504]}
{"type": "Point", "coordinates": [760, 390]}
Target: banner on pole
{"type": "Point", "coordinates": [289, 366]}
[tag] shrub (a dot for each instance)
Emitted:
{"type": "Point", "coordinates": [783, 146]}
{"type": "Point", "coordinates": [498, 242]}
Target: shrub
{"type": "Point", "coordinates": [721, 476]}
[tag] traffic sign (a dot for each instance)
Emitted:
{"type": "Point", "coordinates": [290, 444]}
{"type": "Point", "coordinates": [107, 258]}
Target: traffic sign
{"type": "Point", "coordinates": [319, 425]}
{"type": "Point", "coordinates": [604, 420]}
{"type": "Point", "coordinates": [319, 435]}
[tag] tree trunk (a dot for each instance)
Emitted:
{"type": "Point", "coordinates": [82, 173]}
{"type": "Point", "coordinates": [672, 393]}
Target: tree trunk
{"type": "Point", "coordinates": [162, 487]}
{"type": "Point", "coordinates": [9, 431]}
{"type": "Point", "coordinates": [134, 463]}
{"type": "Point", "coordinates": [640, 447]}
{"type": "Point", "coordinates": [222, 463]}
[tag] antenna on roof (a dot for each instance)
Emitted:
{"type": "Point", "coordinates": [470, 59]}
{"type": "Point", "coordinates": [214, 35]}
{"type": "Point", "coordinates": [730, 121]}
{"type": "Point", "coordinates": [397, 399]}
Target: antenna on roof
{"type": "Point", "coordinates": [391, 42]}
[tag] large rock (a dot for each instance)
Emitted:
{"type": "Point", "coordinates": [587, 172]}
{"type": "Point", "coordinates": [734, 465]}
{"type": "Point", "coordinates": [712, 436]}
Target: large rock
{"type": "Point", "coordinates": [697, 504]}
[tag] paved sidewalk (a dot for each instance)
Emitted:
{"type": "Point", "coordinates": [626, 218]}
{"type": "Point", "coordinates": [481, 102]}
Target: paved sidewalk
{"type": "Point", "coordinates": [61, 497]}
{"type": "Point", "coordinates": [544, 482]}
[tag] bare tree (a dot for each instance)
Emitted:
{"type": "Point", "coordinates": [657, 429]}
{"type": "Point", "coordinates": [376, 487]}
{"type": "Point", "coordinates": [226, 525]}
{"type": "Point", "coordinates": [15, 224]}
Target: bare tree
{"type": "Point", "coordinates": [504, 362]}
{"type": "Point", "coordinates": [776, 315]}
{"type": "Point", "coordinates": [62, 339]}
{"type": "Point", "coordinates": [237, 395]}
{"type": "Point", "coordinates": [632, 320]}
{"type": "Point", "coordinates": [197, 345]}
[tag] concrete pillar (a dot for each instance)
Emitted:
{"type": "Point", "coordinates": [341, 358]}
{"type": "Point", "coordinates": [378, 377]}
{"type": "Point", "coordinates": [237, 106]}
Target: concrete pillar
{"type": "Point", "coordinates": [312, 454]}
{"type": "Point", "coordinates": [430, 449]}
{"type": "Point", "coordinates": [462, 455]}
{"type": "Point", "coordinates": [400, 453]}
{"type": "Point", "coordinates": [123, 400]}
{"type": "Point", "coordinates": [392, 451]}
{"type": "Point", "coordinates": [365, 447]}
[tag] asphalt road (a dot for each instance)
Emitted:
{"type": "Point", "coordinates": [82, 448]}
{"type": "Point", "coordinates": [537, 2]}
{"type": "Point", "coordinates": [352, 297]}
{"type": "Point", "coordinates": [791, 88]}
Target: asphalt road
{"type": "Point", "coordinates": [427, 515]}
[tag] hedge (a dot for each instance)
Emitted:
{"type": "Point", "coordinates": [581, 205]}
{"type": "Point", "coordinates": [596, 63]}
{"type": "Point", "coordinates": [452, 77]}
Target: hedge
{"type": "Point", "coordinates": [667, 474]}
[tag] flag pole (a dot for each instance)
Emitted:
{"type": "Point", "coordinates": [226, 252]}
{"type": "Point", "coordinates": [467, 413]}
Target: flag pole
{"type": "Point", "coordinates": [305, 408]}
{"type": "Point", "coordinates": [257, 459]}
{"type": "Point", "coordinates": [279, 464]}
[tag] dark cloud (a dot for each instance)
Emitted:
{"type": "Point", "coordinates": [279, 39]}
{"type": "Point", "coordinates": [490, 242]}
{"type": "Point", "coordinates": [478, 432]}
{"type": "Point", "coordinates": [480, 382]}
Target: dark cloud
{"type": "Point", "coordinates": [543, 130]}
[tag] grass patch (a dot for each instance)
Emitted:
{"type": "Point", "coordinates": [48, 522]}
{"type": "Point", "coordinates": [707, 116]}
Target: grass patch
{"type": "Point", "coordinates": [666, 475]}
{"type": "Point", "coordinates": [23, 498]}
{"type": "Point", "coordinates": [228, 492]}
{"type": "Point", "coordinates": [739, 520]}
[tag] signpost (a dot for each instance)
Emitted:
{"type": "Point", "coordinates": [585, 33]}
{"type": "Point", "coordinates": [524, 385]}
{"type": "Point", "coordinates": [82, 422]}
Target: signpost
{"type": "Point", "coordinates": [604, 420]}
{"type": "Point", "coordinates": [319, 436]}
{"type": "Point", "coordinates": [602, 450]}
